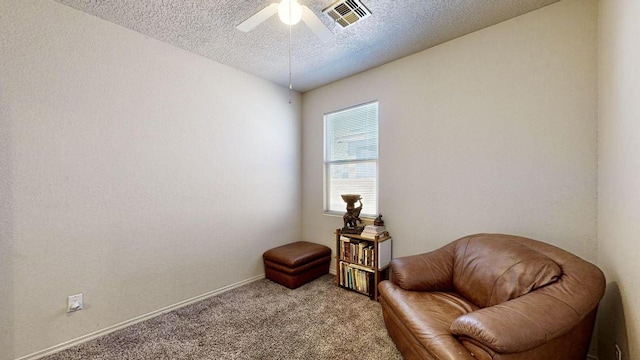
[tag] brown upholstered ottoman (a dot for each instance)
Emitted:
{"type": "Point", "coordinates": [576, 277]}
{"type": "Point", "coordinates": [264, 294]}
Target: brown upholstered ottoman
{"type": "Point", "coordinates": [296, 264]}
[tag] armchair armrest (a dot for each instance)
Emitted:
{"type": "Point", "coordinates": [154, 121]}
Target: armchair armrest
{"type": "Point", "coordinates": [518, 325]}
{"type": "Point", "coordinates": [432, 271]}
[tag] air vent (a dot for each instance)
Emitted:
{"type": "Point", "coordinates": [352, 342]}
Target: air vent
{"type": "Point", "coordinates": [347, 12]}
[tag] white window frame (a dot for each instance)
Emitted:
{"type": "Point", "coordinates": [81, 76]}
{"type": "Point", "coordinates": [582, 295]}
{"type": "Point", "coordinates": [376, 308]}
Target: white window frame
{"type": "Point", "coordinates": [328, 163]}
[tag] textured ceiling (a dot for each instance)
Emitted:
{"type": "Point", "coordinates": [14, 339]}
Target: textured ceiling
{"type": "Point", "coordinates": [397, 28]}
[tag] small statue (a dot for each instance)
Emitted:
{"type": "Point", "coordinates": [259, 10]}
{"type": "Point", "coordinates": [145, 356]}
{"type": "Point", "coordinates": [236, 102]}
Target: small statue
{"type": "Point", "coordinates": [352, 216]}
{"type": "Point", "coordinates": [378, 221]}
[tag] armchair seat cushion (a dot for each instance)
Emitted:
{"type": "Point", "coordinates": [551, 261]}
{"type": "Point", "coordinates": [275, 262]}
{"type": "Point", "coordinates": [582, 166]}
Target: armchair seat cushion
{"type": "Point", "coordinates": [427, 317]}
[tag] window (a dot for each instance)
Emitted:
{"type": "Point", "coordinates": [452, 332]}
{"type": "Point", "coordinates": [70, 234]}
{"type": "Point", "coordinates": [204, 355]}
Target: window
{"type": "Point", "coordinates": [351, 157]}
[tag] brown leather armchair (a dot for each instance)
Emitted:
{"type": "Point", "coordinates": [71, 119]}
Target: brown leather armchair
{"type": "Point", "coordinates": [492, 296]}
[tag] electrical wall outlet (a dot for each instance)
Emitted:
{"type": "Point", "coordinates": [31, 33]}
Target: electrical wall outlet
{"type": "Point", "coordinates": [74, 303]}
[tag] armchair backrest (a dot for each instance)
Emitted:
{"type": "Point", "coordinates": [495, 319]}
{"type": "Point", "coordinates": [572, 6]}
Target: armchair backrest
{"type": "Point", "coordinates": [490, 269]}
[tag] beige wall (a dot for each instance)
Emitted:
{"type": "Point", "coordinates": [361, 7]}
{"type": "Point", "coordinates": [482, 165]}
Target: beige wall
{"type": "Point", "coordinates": [619, 175]}
{"type": "Point", "coordinates": [132, 171]}
{"type": "Point", "coordinates": [491, 132]}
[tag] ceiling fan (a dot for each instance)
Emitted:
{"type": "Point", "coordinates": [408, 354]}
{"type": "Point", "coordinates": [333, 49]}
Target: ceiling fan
{"type": "Point", "coordinates": [290, 12]}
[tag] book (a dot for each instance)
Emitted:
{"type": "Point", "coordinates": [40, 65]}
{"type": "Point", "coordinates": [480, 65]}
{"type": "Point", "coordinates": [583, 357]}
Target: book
{"type": "Point", "coordinates": [371, 231]}
{"type": "Point", "coordinates": [374, 236]}
{"type": "Point", "coordinates": [375, 228]}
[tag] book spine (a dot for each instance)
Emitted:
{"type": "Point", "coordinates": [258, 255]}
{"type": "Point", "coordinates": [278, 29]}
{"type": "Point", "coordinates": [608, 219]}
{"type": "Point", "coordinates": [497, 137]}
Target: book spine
{"type": "Point", "coordinates": [356, 277]}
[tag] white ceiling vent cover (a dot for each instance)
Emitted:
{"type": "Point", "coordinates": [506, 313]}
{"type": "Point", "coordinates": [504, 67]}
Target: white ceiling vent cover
{"type": "Point", "coordinates": [347, 12]}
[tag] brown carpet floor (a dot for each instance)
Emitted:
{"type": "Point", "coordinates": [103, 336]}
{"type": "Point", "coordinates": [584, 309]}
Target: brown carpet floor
{"type": "Point", "coordinates": [261, 320]}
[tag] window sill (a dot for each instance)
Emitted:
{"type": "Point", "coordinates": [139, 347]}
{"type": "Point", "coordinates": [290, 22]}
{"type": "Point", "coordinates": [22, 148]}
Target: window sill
{"type": "Point", "coordinates": [366, 218]}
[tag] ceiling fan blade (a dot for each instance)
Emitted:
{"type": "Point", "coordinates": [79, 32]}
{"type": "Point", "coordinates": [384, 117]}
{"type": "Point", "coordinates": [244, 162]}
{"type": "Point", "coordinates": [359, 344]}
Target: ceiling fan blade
{"type": "Point", "coordinates": [316, 25]}
{"type": "Point", "coordinates": [258, 18]}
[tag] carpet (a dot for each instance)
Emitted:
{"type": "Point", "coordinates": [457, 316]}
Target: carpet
{"type": "Point", "coordinates": [260, 320]}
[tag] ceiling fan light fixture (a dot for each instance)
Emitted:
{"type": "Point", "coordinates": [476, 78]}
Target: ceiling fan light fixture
{"type": "Point", "coordinates": [290, 12]}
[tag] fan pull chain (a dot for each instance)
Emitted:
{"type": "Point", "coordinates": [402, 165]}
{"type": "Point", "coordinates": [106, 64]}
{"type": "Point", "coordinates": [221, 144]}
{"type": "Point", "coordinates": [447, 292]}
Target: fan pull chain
{"type": "Point", "coordinates": [290, 83]}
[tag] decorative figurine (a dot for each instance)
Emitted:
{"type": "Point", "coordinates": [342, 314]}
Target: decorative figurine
{"type": "Point", "coordinates": [378, 221]}
{"type": "Point", "coordinates": [352, 216]}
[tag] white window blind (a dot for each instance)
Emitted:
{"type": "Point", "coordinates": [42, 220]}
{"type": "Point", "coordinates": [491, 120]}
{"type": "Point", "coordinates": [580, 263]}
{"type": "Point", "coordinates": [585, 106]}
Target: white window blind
{"type": "Point", "coordinates": [351, 157]}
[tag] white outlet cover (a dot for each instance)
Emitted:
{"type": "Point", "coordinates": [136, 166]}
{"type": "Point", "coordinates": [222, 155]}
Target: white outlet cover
{"type": "Point", "coordinates": [74, 303]}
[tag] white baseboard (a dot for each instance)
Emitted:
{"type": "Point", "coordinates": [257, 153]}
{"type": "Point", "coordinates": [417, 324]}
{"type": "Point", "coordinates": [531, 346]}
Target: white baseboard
{"type": "Point", "coordinates": [110, 329]}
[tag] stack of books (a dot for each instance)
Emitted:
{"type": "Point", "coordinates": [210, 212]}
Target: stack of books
{"type": "Point", "coordinates": [357, 251]}
{"type": "Point", "coordinates": [357, 278]}
{"type": "Point", "coordinates": [374, 231]}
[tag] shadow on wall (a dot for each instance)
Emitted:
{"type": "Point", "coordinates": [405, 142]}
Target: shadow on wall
{"type": "Point", "coordinates": [6, 235]}
{"type": "Point", "coordinates": [612, 328]}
